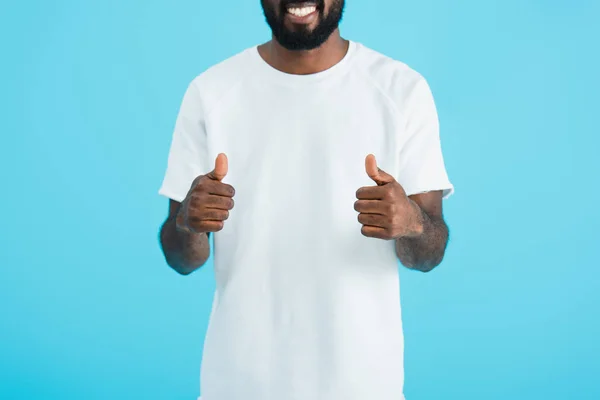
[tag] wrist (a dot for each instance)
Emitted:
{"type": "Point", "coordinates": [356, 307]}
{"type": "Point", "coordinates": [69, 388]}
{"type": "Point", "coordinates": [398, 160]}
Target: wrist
{"type": "Point", "coordinates": [184, 231]}
{"type": "Point", "coordinates": [420, 219]}
{"type": "Point", "coordinates": [417, 221]}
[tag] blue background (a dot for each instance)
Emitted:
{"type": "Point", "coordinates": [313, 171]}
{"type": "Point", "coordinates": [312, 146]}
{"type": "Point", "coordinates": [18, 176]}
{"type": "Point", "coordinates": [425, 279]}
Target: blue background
{"type": "Point", "coordinates": [90, 92]}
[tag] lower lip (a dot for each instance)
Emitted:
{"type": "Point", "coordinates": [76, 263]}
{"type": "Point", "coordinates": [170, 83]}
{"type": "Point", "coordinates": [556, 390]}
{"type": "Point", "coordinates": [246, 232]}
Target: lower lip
{"type": "Point", "coordinates": [306, 19]}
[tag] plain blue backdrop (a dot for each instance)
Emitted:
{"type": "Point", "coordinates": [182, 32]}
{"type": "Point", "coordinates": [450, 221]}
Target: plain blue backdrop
{"type": "Point", "coordinates": [90, 92]}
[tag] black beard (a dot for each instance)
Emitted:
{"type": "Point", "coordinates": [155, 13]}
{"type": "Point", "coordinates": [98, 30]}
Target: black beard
{"type": "Point", "coordinates": [303, 39]}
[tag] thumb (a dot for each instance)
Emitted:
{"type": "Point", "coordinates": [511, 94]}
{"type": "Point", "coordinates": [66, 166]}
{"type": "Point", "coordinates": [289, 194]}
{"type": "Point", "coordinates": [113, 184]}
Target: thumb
{"type": "Point", "coordinates": [220, 168]}
{"type": "Point", "coordinates": [379, 176]}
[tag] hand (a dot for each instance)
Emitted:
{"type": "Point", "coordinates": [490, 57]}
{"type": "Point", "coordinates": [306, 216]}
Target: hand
{"type": "Point", "coordinates": [385, 211]}
{"type": "Point", "coordinates": [208, 202]}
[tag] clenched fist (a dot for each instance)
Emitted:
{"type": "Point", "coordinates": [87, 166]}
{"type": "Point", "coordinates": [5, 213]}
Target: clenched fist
{"type": "Point", "coordinates": [208, 202]}
{"type": "Point", "coordinates": [385, 211]}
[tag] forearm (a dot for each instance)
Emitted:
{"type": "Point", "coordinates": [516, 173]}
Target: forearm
{"type": "Point", "coordinates": [425, 251]}
{"type": "Point", "coordinates": [184, 252]}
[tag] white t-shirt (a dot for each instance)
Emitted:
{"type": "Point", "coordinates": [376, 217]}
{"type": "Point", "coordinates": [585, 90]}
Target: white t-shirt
{"type": "Point", "coordinates": [305, 307]}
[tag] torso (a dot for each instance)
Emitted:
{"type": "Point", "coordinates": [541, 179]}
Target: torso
{"type": "Point", "coordinates": [306, 307]}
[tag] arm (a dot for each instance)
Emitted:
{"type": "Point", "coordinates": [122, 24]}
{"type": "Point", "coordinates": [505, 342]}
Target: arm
{"type": "Point", "coordinates": [414, 222]}
{"type": "Point", "coordinates": [184, 251]}
{"type": "Point", "coordinates": [425, 251]}
{"type": "Point", "coordinates": [193, 211]}
{"type": "Point", "coordinates": [423, 175]}
{"type": "Point", "coordinates": [184, 236]}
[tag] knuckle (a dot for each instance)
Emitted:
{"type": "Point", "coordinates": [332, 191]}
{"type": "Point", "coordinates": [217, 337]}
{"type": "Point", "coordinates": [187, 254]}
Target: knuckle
{"type": "Point", "coordinates": [390, 208]}
{"type": "Point", "coordinates": [199, 182]}
{"type": "Point", "coordinates": [399, 188]}
{"type": "Point", "coordinates": [193, 214]}
{"type": "Point", "coordinates": [196, 201]}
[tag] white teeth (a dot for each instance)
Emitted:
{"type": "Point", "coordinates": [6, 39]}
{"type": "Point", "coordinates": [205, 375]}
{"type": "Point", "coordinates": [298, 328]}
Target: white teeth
{"type": "Point", "coordinates": [303, 11]}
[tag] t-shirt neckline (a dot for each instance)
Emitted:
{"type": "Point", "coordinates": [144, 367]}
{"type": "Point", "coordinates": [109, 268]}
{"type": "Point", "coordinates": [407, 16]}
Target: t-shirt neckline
{"type": "Point", "coordinates": [284, 77]}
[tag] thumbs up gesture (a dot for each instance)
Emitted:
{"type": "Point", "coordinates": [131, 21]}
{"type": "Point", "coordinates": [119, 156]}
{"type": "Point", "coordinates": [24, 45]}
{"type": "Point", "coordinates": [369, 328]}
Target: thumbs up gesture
{"type": "Point", "coordinates": [208, 202]}
{"type": "Point", "coordinates": [385, 211]}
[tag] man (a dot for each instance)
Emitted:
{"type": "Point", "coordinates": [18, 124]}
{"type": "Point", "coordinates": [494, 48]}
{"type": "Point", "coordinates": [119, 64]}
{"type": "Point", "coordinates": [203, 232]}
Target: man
{"type": "Point", "coordinates": [307, 299]}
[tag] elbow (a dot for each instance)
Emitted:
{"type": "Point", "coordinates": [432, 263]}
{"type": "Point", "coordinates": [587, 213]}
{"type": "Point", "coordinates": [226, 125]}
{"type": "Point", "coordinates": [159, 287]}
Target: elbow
{"type": "Point", "coordinates": [181, 261]}
{"type": "Point", "coordinates": [428, 267]}
{"type": "Point", "coordinates": [182, 271]}
{"type": "Point", "coordinates": [183, 268]}
{"type": "Point", "coordinates": [422, 265]}
{"type": "Point", "coordinates": [433, 264]}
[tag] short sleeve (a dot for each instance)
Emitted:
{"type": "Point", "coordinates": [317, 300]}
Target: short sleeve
{"type": "Point", "coordinates": [421, 163]}
{"type": "Point", "coordinates": [188, 153]}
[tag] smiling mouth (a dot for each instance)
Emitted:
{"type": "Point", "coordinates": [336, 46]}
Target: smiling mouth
{"type": "Point", "coordinates": [301, 11]}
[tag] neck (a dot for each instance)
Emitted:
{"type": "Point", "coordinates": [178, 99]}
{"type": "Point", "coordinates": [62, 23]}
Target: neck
{"type": "Point", "coordinates": [305, 62]}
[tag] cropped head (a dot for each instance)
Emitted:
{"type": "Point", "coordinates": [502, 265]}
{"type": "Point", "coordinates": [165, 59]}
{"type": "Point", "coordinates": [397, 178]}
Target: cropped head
{"type": "Point", "coordinates": [303, 25]}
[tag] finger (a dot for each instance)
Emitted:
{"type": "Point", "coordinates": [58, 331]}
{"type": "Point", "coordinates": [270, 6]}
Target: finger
{"type": "Point", "coordinates": [209, 214]}
{"type": "Point", "coordinates": [379, 176]}
{"type": "Point", "coordinates": [370, 207]}
{"type": "Point", "coordinates": [371, 193]}
{"type": "Point", "coordinates": [374, 232]}
{"type": "Point", "coordinates": [372, 220]}
{"type": "Point", "coordinates": [218, 188]}
{"type": "Point", "coordinates": [221, 168]}
{"type": "Point", "coordinates": [218, 202]}
{"type": "Point", "coordinates": [207, 226]}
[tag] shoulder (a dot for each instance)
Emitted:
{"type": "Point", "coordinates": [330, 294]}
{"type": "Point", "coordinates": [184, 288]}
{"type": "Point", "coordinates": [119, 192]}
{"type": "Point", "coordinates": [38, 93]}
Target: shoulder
{"type": "Point", "coordinates": [219, 79]}
{"type": "Point", "coordinates": [394, 78]}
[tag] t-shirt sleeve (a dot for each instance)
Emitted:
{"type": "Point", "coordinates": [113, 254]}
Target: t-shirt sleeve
{"type": "Point", "coordinates": [421, 167]}
{"type": "Point", "coordinates": [188, 155]}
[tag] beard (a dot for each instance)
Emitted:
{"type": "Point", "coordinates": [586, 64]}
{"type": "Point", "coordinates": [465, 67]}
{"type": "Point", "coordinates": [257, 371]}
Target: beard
{"type": "Point", "coordinates": [303, 38]}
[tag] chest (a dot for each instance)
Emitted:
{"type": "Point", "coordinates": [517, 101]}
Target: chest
{"type": "Point", "coordinates": [296, 160]}
{"type": "Point", "coordinates": [305, 137]}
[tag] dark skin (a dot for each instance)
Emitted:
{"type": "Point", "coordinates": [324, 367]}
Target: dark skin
{"type": "Point", "coordinates": [415, 222]}
{"type": "Point", "coordinates": [184, 236]}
